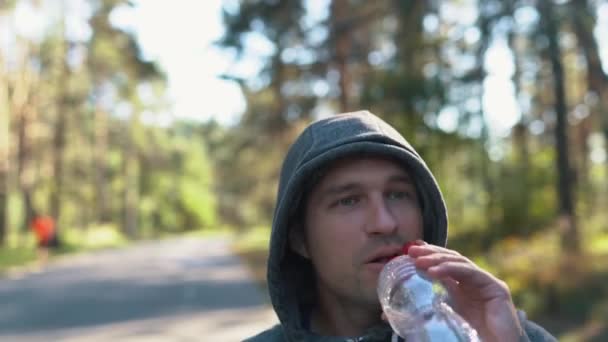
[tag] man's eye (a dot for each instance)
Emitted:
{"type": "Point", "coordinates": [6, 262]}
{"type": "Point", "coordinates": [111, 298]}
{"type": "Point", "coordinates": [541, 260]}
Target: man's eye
{"type": "Point", "coordinates": [348, 201]}
{"type": "Point", "coordinates": [399, 195]}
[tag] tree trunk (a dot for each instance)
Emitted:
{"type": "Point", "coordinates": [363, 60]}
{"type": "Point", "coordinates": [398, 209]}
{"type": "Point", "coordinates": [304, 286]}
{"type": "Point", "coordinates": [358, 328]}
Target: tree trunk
{"type": "Point", "coordinates": [488, 185]}
{"type": "Point", "coordinates": [130, 195]}
{"type": "Point", "coordinates": [411, 54]}
{"type": "Point", "coordinates": [131, 190]}
{"type": "Point", "coordinates": [583, 22]}
{"type": "Point", "coordinates": [102, 213]}
{"type": "Point", "coordinates": [341, 34]}
{"type": "Point", "coordinates": [4, 155]}
{"type": "Point", "coordinates": [278, 120]}
{"type": "Point", "coordinates": [21, 103]}
{"type": "Point", "coordinates": [567, 217]}
{"type": "Point", "coordinates": [24, 172]}
{"type": "Point", "coordinates": [520, 134]}
{"type": "Point", "coordinates": [59, 136]}
{"type": "Point", "coordinates": [586, 190]}
{"type": "Point", "coordinates": [3, 203]}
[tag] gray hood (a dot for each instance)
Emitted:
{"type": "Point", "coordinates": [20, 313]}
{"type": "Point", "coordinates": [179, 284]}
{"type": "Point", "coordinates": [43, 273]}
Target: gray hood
{"type": "Point", "coordinates": [351, 134]}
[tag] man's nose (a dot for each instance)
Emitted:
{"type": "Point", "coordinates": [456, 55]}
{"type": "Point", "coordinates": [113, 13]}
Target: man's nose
{"type": "Point", "coordinates": [382, 219]}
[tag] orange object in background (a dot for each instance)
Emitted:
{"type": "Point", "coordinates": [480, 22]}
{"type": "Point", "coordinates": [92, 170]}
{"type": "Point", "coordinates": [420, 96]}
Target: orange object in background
{"type": "Point", "coordinates": [44, 228]}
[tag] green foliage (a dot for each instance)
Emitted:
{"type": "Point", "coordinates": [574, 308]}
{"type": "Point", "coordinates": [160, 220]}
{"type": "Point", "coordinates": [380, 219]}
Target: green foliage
{"type": "Point", "coordinates": [196, 197]}
{"type": "Point", "coordinates": [15, 215]}
{"type": "Point", "coordinates": [116, 169]}
{"type": "Point", "coordinates": [13, 257]}
{"type": "Point", "coordinates": [197, 204]}
{"type": "Point", "coordinates": [92, 238]}
{"type": "Point", "coordinates": [72, 240]}
{"type": "Point", "coordinates": [178, 193]}
{"type": "Point", "coordinates": [409, 62]}
{"type": "Point", "coordinates": [406, 61]}
{"type": "Point", "coordinates": [255, 239]}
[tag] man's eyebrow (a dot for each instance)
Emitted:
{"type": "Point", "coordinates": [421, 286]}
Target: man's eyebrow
{"type": "Point", "coordinates": [337, 189]}
{"type": "Point", "coordinates": [404, 178]}
{"type": "Point", "coordinates": [333, 190]}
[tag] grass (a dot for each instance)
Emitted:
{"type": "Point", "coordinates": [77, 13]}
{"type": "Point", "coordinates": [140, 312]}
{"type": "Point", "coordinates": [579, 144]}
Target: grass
{"type": "Point", "coordinates": [209, 233]}
{"type": "Point", "coordinates": [254, 239]}
{"type": "Point", "coordinates": [98, 237]}
{"type": "Point", "coordinates": [252, 247]}
{"type": "Point", "coordinates": [13, 257]}
{"type": "Point", "coordinates": [21, 249]}
{"type": "Point", "coordinates": [22, 253]}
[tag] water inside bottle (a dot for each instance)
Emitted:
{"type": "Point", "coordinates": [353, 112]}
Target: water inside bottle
{"type": "Point", "coordinates": [415, 305]}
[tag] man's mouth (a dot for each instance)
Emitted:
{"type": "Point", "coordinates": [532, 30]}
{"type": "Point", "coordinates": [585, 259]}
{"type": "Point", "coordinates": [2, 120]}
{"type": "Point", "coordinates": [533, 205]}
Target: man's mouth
{"type": "Point", "coordinates": [383, 259]}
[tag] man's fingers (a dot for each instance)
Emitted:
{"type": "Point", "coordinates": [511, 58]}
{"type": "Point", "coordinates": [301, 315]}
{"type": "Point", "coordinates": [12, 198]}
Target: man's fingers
{"type": "Point", "coordinates": [441, 263]}
{"type": "Point", "coordinates": [420, 250]}
{"type": "Point", "coordinates": [429, 260]}
{"type": "Point", "coordinates": [454, 269]}
{"type": "Point", "coordinates": [450, 284]}
{"type": "Point", "coordinates": [465, 273]}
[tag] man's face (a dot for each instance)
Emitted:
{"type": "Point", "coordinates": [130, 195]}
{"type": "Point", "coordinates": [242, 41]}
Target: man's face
{"type": "Point", "coordinates": [357, 217]}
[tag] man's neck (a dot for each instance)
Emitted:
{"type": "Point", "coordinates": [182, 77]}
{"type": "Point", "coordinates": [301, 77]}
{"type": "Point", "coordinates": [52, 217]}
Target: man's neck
{"type": "Point", "coordinates": [335, 318]}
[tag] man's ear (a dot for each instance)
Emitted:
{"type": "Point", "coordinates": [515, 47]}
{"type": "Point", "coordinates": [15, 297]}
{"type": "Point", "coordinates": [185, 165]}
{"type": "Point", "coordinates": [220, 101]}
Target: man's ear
{"type": "Point", "coordinates": [297, 243]}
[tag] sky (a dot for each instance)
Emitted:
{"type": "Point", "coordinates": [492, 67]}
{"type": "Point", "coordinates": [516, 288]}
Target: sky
{"type": "Point", "coordinates": [179, 37]}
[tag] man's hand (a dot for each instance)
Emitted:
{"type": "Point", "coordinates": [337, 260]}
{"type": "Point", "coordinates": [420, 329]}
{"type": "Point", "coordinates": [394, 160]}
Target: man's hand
{"type": "Point", "coordinates": [480, 298]}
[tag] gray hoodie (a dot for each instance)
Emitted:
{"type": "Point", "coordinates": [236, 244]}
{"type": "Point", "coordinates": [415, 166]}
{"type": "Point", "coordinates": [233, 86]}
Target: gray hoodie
{"type": "Point", "coordinates": [290, 277]}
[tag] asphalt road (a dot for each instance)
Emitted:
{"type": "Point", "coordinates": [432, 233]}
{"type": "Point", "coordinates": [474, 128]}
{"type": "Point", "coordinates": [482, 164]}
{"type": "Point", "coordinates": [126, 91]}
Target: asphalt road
{"type": "Point", "coordinates": [174, 290]}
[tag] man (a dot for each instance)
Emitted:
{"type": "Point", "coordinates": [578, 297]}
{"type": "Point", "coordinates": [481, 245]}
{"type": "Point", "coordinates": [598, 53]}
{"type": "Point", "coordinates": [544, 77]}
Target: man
{"type": "Point", "coordinates": [44, 229]}
{"type": "Point", "coordinates": [352, 191]}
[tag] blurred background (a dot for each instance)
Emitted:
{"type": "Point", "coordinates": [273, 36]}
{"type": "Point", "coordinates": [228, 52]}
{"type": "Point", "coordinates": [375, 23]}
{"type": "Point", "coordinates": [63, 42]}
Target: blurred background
{"type": "Point", "coordinates": [155, 123]}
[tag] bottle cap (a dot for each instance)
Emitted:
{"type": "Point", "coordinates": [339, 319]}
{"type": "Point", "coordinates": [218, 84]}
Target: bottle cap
{"type": "Point", "coordinates": [406, 247]}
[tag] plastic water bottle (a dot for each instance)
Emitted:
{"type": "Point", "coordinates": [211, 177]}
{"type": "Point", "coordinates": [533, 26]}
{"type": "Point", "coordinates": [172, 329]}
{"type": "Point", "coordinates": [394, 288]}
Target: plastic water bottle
{"type": "Point", "coordinates": [416, 306]}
